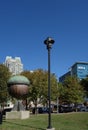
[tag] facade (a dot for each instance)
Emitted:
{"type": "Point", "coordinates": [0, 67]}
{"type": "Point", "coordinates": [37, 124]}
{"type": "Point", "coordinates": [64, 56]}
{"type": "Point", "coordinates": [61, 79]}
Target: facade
{"type": "Point", "coordinates": [79, 69]}
{"type": "Point", "coordinates": [62, 78]}
{"type": "Point", "coordinates": [14, 64]}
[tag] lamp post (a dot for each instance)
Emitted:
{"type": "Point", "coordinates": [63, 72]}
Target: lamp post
{"type": "Point", "coordinates": [48, 42]}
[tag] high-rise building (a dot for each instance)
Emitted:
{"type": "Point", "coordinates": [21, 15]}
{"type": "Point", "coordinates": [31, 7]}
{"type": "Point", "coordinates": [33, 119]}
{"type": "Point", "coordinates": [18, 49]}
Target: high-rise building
{"type": "Point", "coordinates": [14, 64]}
{"type": "Point", "coordinates": [79, 69]}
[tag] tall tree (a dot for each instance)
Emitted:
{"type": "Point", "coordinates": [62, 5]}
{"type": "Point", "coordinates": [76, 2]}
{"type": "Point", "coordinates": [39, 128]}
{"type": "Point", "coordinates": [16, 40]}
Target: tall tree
{"type": "Point", "coordinates": [61, 93]}
{"type": "Point", "coordinates": [4, 76]}
{"type": "Point", "coordinates": [72, 91]}
{"type": "Point", "coordinates": [84, 83]}
{"type": "Point", "coordinates": [39, 85]}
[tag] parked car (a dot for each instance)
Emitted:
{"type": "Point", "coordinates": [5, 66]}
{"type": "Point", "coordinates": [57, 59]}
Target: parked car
{"type": "Point", "coordinates": [6, 110]}
{"type": "Point", "coordinates": [65, 109]}
{"type": "Point", "coordinates": [44, 110]}
{"type": "Point", "coordinates": [78, 107]}
{"type": "Point", "coordinates": [84, 109]}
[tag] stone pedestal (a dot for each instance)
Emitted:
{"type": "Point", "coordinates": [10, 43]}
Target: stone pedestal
{"type": "Point", "coordinates": [17, 115]}
{"type": "Point", "coordinates": [50, 129]}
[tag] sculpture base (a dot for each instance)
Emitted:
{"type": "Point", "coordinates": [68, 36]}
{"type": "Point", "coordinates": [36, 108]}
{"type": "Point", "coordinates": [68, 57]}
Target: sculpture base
{"type": "Point", "coordinates": [50, 129]}
{"type": "Point", "coordinates": [17, 115]}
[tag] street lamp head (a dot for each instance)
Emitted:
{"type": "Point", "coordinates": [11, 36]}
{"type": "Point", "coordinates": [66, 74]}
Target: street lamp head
{"type": "Point", "coordinates": [49, 41]}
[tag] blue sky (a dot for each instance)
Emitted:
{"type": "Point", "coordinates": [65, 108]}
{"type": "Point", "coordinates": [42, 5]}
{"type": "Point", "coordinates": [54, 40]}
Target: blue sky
{"type": "Point", "coordinates": [25, 24]}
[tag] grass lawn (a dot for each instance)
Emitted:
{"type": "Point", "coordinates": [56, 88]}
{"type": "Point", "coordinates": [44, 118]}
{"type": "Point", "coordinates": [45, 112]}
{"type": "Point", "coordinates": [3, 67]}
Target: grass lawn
{"type": "Point", "coordinates": [66, 121]}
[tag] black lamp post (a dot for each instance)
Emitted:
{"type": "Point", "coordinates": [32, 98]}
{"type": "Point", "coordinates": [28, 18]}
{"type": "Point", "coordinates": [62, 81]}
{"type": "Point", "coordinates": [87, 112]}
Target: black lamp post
{"type": "Point", "coordinates": [49, 41]}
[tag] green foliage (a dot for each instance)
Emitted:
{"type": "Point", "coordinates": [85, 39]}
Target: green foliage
{"type": "Point", "coordinates": [84, 83]}
{"type": "Point", "coordinates": [39, 85]}
{"type": "Point", "coordinates": [72, 91]}
{"type": "Point", "coordinates": [54, 88]}
{"type": "Point", "coordinates": [4, 76]}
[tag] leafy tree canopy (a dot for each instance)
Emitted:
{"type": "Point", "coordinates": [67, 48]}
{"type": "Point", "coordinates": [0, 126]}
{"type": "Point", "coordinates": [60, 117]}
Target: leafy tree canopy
{"type": "Point", "coordinates": [39, 85]}
{"type": "Point", "coordinates": [84, 83]}
{"type": "Point", "coordinates": [72, 91]}
{"type": "Point", "coordinates": [4, 76]}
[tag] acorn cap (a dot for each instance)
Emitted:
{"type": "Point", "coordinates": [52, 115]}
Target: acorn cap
{"type": "Point", "coordinates": [18, 79]}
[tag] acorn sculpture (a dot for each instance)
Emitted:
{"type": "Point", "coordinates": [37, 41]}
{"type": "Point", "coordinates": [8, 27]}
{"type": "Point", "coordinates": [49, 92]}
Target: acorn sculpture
{"type": "Point", "coordinates": [18, 87]}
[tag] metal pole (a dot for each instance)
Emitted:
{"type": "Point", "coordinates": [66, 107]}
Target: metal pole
{"type": "Point", "coordinates": [49, 41]}
{"type": "Point", "coordinates": [49, 90]}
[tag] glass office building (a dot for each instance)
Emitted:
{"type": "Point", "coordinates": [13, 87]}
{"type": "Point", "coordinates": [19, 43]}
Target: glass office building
{"type": "Point", "coordinates": [79, 69]}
